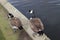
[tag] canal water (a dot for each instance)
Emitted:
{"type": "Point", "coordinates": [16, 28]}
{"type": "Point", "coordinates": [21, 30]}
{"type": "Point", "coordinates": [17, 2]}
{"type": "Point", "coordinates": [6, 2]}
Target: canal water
{"type": "Point", "coordinates": [47, 10]}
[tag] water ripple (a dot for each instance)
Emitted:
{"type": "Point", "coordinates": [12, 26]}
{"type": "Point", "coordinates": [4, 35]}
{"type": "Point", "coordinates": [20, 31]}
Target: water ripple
{"type": "Point", "coordinates": [57, 4]}
{"type": "Point", "coordinates": [54, 1]}
{"type": "Point", "coordinates": [14, 2]}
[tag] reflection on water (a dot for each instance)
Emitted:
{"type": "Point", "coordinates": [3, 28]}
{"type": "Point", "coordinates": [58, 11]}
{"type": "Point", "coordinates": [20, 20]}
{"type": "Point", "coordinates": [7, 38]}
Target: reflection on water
{"type": "Point", "coordinates": [48, 11]}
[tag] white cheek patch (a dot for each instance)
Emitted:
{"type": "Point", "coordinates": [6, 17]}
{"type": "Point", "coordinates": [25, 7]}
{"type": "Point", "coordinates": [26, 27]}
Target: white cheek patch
{"type": "Point", "coordinates": [14, 27]}
{"type": "Point", "coordinates": [30, 18]}
{"type": "Point", "coordinates": [39, 29]}
{"type": "Point", "coordinates": [9, 16]}
{"type": "Point", "coordinates": [31, 11]}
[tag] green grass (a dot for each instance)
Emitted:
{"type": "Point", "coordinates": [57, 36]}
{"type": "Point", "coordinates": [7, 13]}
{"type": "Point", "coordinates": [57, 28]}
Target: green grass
{"type": "Point", "coordinates": [6, 32]}
{"type": "Point", "coordinates": [1, 36]}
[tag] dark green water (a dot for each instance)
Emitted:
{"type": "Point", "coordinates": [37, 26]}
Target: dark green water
{"type": "Point", "coordinates": [47, 10]}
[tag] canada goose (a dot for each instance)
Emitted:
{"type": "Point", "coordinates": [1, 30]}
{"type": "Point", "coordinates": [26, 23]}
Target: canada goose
{"type": "Point", "coordinates": [16, 23]}
{"type": "Point", "coordinates": [37, 25]}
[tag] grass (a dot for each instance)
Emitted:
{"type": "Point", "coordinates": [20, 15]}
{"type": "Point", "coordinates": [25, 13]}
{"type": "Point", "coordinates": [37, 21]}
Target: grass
{"type": "Point", "coordinates": [1, 36]}
{"type": "Point", "coordinates": [5, 30]}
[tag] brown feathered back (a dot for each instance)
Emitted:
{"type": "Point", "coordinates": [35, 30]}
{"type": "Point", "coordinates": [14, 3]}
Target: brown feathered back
{"type": "Point", "coordinates": [37, 24]}
{"type": "Point", "coordinates": [15, 22]}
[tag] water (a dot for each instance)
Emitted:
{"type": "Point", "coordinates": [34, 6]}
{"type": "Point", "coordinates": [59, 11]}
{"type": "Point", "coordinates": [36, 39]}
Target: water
{"type": "Point", "coordinates": [47, 11]}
